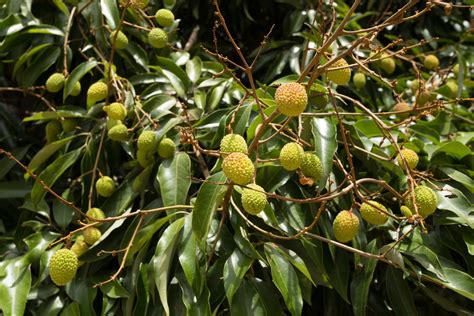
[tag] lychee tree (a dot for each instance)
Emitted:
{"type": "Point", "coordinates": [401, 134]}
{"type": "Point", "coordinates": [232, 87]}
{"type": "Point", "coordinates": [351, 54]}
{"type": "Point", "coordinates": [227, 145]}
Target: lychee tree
{"type": "Point", "coordinates": [188, 157]}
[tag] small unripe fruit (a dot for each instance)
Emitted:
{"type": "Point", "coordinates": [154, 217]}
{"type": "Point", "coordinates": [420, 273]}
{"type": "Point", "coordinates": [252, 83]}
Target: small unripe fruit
{"type": "Point", "coordinates": [410, 156]}
{"type": "Point", "coordinates": [425, 199]}
{"type": "Point", "coordinates": [431, 62]}
{"type": "Point", "coordinates": [95, 212]}
{"type": "Point", "coordinates": [254, 199]}
{"type": "Point", "coordinates": [118, 133]}
{"type": "Point", "coordinates": [105, 186]}
{"type": "Point", "coordinates": [311, 166]}
{"type": "Point", "coordinates": [121, 41]}
{"type": "Point", "coordinates": [157, 38]}
{"type": "Point", "coordinates": [55, 82]}
{"type": "Point", "coordinates": [456, 70]}
{"type": "Point", "coordinates": [91, 235]}
{"type": "Point", "coordinates": [145, 158]}
{"type": "Point", "coordinates": [453, 89]}
{"type": "Point", "coordinates": [232, 143]}
{"type": "Point", "coordinates": [388, 65]}
{"type": "Point", "coordinates": [63, 266]}
{"type": "Point", "coordinates": [415, 85]}
{"type": "Point", "coordinates": [291, 99]}
{"type": "Point", "coordinates": [97, 92]}
{"type": "Point", "coordinates": [116, 111]}
{"type": "Point", "coordinates": [52, 129]}
{"type": "Point", "coordinates": [164, 17]}
{"type": "Point", "coordinates": [166, 148]}
{"type": "Point", "coordinates": [80, 246]}
{"type": "Point", "coordinates": [371, 213]}
{"type": "Point", "coordinates": [147, 141]}
{"type": "Point", "coordinates": [345, 226]}
{"type": "Point", "coordinates": [76, 90]}
{"type": "Point", "coordinates": [68, 125]}
{"type": "Point", "coordinates": [291, 156]}
{"type": "Point", "coordinates": [402, 106]}
{"type": "Point", "coordinates": [406, 211]}
{"type": "Point", "coordinates": [111, 123]}
{"type": "Point", "coordinates": [423, 97]}
{"type": "Point", "coordinates": [238, 168]}
{"type": "Point", "coordinates": [359, 80]}
{"type": "Point", "coordinates": [339, 76]}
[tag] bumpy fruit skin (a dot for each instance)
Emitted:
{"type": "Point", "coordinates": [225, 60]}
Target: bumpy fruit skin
{"type": "Point", "coordinates": [76, 90]}
{"type": "Point", "coordinates": [147, 141]}
{"type": "Point", "coordinates": [96, 213]}
{"type": "Point", "coordinates": [345, 226]}
{"type": "Point", "coordinates": [388, 65]}
{"type": "Point", "coordinates": [157, 38]}
{"type": "Point", "coordinates": [118, 133]}
{"type": "Point", "coordinates": [425, 199]}
{"type": "Point", "coordinates": [410, 156]}
{"type": "Point", "coordinates": [406, 211]}
{"type": "Point", "coordinates": [359, 80]}
{"type": "Point", "coordinates": [52, 129]}
{"type": "Point", "coordinates": [80, 246]}
{"type": "Point", "coordinates": [121, 41]}
{"type": "Point", "coordinates": [402, 106]}
{"type": "Point", "coordinates": [111, 123]}
{"type": "Point", "coordinates": [116, 111]}
{"type": "Point", "coordinates": [105, 186]}
{"type": "Point", "coordinates": [371, 214]}
{"type": "Point", "coordinates": [291, 156]}
{"type": "Point", "coordinates": [63, 266]}
{"type": "Point", "coordinates": [415, 85]}
{"type": "Point", "coordinates": [339, 76]}
{"type": "Point", "coordinates": [233, 143]}
{"type": "Point", "coordinates": [55, 82]}
{"type": "Point", "coordinates": [166, 148]}
{"type": "Point", "coordinates": [431, 62]}
{"type": "Point", "coordinates": [91, 235]}
{"type": "Point", "coordinates": [164, 17]}
{"type": "Point", "coordinates": [97, 92]}
{"type": "Point", "coordinates": [254, 201]}
{"type": "Point", "coordinates": [453, 89]}
{"type": "Point", "coordinates": [238, 168]}
{"type": "Point", "coordinates": [145, 158]}
{"type": "Point", "coordinates": [311, 166]}
{"type": "Point", "coordinates": [291, 99]}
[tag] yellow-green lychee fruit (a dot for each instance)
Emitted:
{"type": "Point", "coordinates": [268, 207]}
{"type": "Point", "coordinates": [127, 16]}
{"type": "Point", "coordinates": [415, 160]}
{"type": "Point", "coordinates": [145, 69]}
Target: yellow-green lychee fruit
{"type": "Point", "coordinates": [402, 106]}
{"type": "Point", "coordinates": [372, 213]}
{"type": "Point", "coordinates": [147, 141]}
{"type": "Point", "coordinates": [111, 123]}
{"type": "Point", "coordinates": [97, 92]}
{"type": "Point", "coordinates": [359, 80]}
{"type": "Point", "coordinates": [233, 143]}
{"type": "Point", "coordinates": [91, 235]}
{"type": "Point", "coordinates": [140, 182]}
{"type": "Point", "coordinates": [254, 199]}
{"type": "Point", "coordinates": [166, 148]}
{"type": "Point", "coordinates": [157, 38]}
{"type": "Point", "coordinates": [340, 76]}
{"type": "Point", "coordinates": [456, 70]}
{"type": "Point", "coordinates": [415, 85]}
{"type": "Point", "coordinates": [291, 156]}
{"type": "Point", "coordinates": [96, 213]}
{"type": "Point", "coordinates": [238, 168]}
{"type": "Point", "coordinates": [121, 41]}
{"type": "Point", "coordinates": [63, 266]}
{"type": "Point", "coordinates": [80, 246]}
{"type": "Point", "coordinates": [55, 82]}
{"type": "Point", "coordinates": [76, 90]}
{"type": "Point", "coordinates": [68, 125]}
{"type": "Point", "coordinates": [116, 111]}
{"type": "Point", "coordinates": [345, 226]}
{"type": "Point", "coordinates": [311, 166]}
{"type": "Point", "coordinates": [388, 65]}
{"type": "Point", "coordinates": [453, 89]}
{"type": "Point", "coordinates": [431, 62]}
{"type": "Point", "coordinates": [425, 199]}
{"type": "Point", "coordinates": [410, 156]}
{"type": "Point", "coordinates": [105, 186]}
{"type": "Point", "coordinates": [406, 211]}
{"type": "Point", "coordinates": [164, 17]}
{"type": "Point", "coordinates": [52, 130]}
{"type": "Point", "coordinates": [423, 97]}
{"type": "Point", "coordinates": [145, 158]}
{"type": "Point", "coordinates": [118, 133]}
{"type": "Point", "coordinates": [291, 99]}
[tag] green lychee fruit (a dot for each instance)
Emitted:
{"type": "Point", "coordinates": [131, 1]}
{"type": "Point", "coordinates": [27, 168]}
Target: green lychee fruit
{"type": "Point", "coordinates": [425, 199]}
{"type": "Point", "coordinates": [164, 17]}
{"type": "Point", "coordinates": [238, 168]}
{"type": "Point", "coordinates": [291, 99]}
{"type": "Point", "coordinates": [80, 246]}
{"type": "Point", "coordinates": [63, 266]}
{"type": "Point", "coordinates": [121, 41]}
{"type": "Point", "coordinates": [291, 156]}
{"type": "Point", "coordinates": [345, 226]}
{"type": "Point", "coordinates": [111, 123]}
{"type": "Point", "coordinates": [145, 158]}
{"type": "Point", "coordinates": [55, 82]}
{"type": "Point", "coordinates": [456, 70]}
{"type": "Point", "coordinates": [359, 80]}
{"type": "Point", "coordinates": [118, 133]}
{"type": "Point", "coordinates": [402, 106]}
{"type": "Point", "coordinates": [431, 62]}
{"type": "Point", "coordinates": [371, 213]}
{"type": "Point", "coordinates": [410, 156]}
{"type": "Point", "coordinates": [232, 143]}
{"type": "Point", "coordinates": [339, 76]}
{"type": "Point", "coordinates": [388, 65]}
{"type": "Point", "coordinates": [147, 141]}
{"type": "Point", "coordinates": [423, 97]}
{"type": "Point", "coordinates": [91, 235]}
{"type": "Point", "coordinates": [453, 89]}
{"type": "Point", "coordinates": [406, 211]}
{"type": "Point", "coordinates": [52, 130]}
{"type": "Point", "coordinates": [166, 148]}
{"type": "Point", "coordinates": [157, 38]}
{"type": "Point", "coordinates": [97, 92]}
{"type": "Point", "coordinates": [105, 186]}
{"type": "Point", "coordinates": [76, 90]}
{"type": "Point", "coordinates": [415, 85]}
{"type": "Point", "coordinates": [116, 111]}
{"type": "Point", "coordinates": [95, 212]}
{"type": "Point", "coordinates": [254, 199]}
{"type": "Point", "coordinates": [311, 166]}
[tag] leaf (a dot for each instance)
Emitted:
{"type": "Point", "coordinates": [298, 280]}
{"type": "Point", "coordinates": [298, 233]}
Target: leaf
{"type": "Point", "coordinates": [234, 271]}
{"type": "Point", "coordinates": [174, 177]}
{"type": "Point", "coordinates": [460, 177]}
{"type": "Point", "coordinates": [399, 293]}
{"type": "Point", "coordinates": [65, 111]}
{"type": "Point", "coordinates": [14, 189]}
{"type": "Point", "coordinates": [110, 12]}
{"type": "Point", "coordinates": [28, 55]}
{"type": "Point", "coordinates": [187, 251]}
{"type": "Point", "coordinates": [324, 133]}
{"type": "Point", "coordinates": [247, 301]}
{"type": "Point", "coordinates": [206, 202]}
{"type": "Point", "coordinates": [193, 69]}
{"type": "Point", "coordinates": [457, 281]}
{"type": "Point", "coordinates": [80, 291]}
{"type": "Point", "coordinates": [46, 152]}
{"type": "Point", "coordinates": [7, 164]}
{"type": "Point", "coordinates": [15, 285]}
{"type": "Point", "coordinates": [452, 148]}
{"type": "Point", "coordinates": [76, 75]}
{"type": "Point", "coordinates": [39, 66]}
{"type": "Point", "coordinates": [62, 213]}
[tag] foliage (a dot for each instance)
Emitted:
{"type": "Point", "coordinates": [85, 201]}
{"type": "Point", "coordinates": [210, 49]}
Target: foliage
{"type": "Point", "coordinates": [175, 238]}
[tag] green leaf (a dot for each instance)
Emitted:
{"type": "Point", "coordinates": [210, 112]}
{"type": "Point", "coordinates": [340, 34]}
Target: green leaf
{"type": "Point", "coordinates": [63, 214]}
{"type": "Point", "coordinates": [235, 269]}
{"type": "Point", "coordinates": [80, 291]}
{"type": "Point", "coordinates": [399, 293]}
{"type": "Point", "coordinates": [14, 189]}
{"type": "Point", "coordinates": [110, 12]}
{"type": "Point", "coordinates": [76, 75]}
{"type": "Point", "coordinates": [28, 55]}
{"type": "Point", "coordinates": [460, 177]}
{"type": "Point", "coordinates": [324, 133]}
{"type": "Point", "coordinates": [7, 164]}
{"type": "Point", "coordinates": [66, 112]}
{"type": "Point", "coordinates": [39, 66]}
{"type": "Point", "coordinates": [247, 301]}
{"type": "Point", "coordinates": [15, 283]}
{"type": "Point", "coordinates": [453, 148]}
{"type": "Point", "coordinates": [193, 69]}
{"type": "Point", "coordinates": [187, 257]}
{"type": "Point", "coordinates": [174, 177]}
